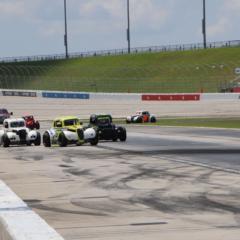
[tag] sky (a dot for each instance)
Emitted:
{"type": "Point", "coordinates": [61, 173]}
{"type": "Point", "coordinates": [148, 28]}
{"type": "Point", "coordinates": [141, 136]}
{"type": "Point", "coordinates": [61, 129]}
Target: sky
{"type": "Point", "coordinates": [36, 27]}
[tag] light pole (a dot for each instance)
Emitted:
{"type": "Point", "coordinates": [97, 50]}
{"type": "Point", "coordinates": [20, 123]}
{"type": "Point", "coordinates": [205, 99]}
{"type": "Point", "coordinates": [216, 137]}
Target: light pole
{"type": "Point", "coordinates": [65, 35]}
{"type": "Point", "coordinates": [128, 28]}
{"type": "Point", "coordinates": [204, 25]}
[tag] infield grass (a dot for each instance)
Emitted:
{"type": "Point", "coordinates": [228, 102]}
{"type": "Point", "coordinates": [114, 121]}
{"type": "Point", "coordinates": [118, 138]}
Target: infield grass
{"type": "Point", "coordinates": [187, 71]}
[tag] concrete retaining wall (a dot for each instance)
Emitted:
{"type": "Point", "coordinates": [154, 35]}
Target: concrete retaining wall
{"type": "Point", "coordinates": [220, 96]}
{"type": "Point", "coordinates": [19, 222]}
{"type": "Point", "coordinates": [121, 96]}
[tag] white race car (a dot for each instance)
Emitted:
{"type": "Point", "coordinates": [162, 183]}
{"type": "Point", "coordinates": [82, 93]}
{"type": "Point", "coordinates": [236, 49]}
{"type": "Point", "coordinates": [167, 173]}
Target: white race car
{"type": "Point", "coordinates": [141, 117]}
{"type": "Point", "coordinates": [15, 132]}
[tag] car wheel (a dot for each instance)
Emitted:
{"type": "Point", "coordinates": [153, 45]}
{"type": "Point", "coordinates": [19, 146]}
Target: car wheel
{"type": "Point", "coordinates": [37, 141]}
{"type": "Point", "coordinates": [153, 120]}
{"type": "Point", "coordinates": [46, 140]}
{"type": "Point", "coordinates": [94, 141]}
{"type": "Point", "coordinates": [62, 140]}
{"type": "Point", "coordinates": [37, 125]}
{"type": "Point", "coordinates": [5, 141]}
{"type": "Point", "coordinates": [123, 135]}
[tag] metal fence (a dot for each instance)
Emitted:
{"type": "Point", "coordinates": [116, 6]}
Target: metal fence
{"type": "Point", "coordinates": [165, 48]}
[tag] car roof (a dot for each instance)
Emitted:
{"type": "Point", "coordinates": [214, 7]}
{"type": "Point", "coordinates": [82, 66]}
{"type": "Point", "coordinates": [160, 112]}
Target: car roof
{"type": "Point", "coordinates": [102, 115]}
{"type": "Point", "coordinates": [14, 120]}
{"type": "Point", "coordinates": [64, 118]}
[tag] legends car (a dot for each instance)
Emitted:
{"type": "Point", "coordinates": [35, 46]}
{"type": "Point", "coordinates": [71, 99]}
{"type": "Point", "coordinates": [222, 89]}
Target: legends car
{"type": "Point", "coordinates": [15, 132]}
{"type": "Point", "coordinates": [106, 129]}
{"type": "Point", "coordinates": [4, 114]}
{"type": "Point", "coordinates": [141, 117]}
{"type": "Point", "coordinates": [31, 122]}
{"type": "Point", "coordinates": [69, 130]}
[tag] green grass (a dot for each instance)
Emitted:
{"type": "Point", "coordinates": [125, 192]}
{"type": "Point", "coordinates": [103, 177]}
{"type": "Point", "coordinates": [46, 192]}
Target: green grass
{"type": "Point", "coordinates": [187, 71]}
{"type": "Point", "coordinates": [200, 122]}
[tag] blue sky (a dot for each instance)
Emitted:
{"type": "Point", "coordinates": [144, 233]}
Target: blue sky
{"type": "Point", "coordinates": [35, 27]}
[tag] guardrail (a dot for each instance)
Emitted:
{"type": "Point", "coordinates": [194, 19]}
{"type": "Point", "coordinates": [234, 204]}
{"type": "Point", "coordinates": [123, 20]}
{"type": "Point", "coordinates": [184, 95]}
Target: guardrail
{"type": "Point", "coordinates": [163, 48]}
{"type": "Point", "coordinates": [121, 96]}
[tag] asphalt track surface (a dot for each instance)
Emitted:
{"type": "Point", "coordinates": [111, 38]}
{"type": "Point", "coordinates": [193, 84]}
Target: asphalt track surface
{"type": "Point", "coordinates": [163, 183]}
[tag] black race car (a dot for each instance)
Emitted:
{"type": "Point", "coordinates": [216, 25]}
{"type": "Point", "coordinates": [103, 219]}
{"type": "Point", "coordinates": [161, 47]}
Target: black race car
{"type": "Point", "coordinates": [106, 129]}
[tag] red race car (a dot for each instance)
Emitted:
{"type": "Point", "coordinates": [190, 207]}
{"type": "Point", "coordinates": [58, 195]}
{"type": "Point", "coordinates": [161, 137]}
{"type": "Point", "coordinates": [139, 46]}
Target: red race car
{"type": "Point", "coordinates": [31, 122]}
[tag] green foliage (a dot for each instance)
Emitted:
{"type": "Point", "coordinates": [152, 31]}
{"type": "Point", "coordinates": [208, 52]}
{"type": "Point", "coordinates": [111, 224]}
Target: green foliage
{"type": "Point", "coordinates": [186, 71]}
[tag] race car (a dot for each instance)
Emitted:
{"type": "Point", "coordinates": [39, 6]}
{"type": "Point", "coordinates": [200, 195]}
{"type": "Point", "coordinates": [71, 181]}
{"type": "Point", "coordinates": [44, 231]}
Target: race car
{"type": "Point", "coordinates": [106, 129]}
{"type": "Point", "coordinates": [15, 132]}
{"type": "Point", "coordinates": [141, 117]}
{"type": "Point", "coordinates": [4, 114]}
{"type": "Point", "coordinates": [69, 130]}
{"type": "Point", "coordinates": [31, 122]}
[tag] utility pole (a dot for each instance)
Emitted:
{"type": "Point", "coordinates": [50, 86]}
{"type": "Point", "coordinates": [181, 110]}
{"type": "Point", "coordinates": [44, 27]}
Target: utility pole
{"type": "Point", "coordinates": [204, 25]}
{"type": "Point", "coordinates": [65, 35]}
{"type": "Point", "coordinates": [128, 28]}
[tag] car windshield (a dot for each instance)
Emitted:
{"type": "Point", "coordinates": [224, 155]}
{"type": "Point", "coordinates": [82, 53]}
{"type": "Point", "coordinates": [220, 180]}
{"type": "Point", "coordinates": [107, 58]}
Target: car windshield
{"type": "Point", "coordinates": [17, 124]}
{"type": "Point", "coordinates": [28, 117]}
{"type": "Point", "coordinates": [71, 122]}
{"type": "Point", "coordinates": [3, 111]}
{"type": "Point", "coordinates": [103, 120]}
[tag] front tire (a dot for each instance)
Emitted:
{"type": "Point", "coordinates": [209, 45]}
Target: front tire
{"type": "Point", "coordinates": [94, 141]}
{"type": "Point", "coordinates": [153, 120]}
{"type": "Point", "coordinates": [46, 140]}
{"type": "Point", "coordinates": [5, 141]}
{"type": "Point", "coordinates": [123, 135]}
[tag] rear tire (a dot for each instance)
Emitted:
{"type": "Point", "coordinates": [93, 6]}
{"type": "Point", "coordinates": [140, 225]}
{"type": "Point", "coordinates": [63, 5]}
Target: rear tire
{"type": "Point", "coordinates": [94, 141]}
{"type": "Point", "coordinates": [37, 125]}
{"type": "Point", "coordinates": [46, 140]}
{"type": "Point", "coordinates": [62, 140]}
{"type": "Point", "coordinates": [123, 135]}
{"type": "Point", "coordinates": [37, 141]}
{"type": "Point", "coordinates": [5, 141]}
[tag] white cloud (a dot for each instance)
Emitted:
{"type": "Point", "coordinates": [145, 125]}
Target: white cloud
{"type": "Point", "coordinates": [146, 13]}
{"type": "Point", "coordinates": [233, 5]}
{"type": "Point", "coordinates": [219, 28]}
{"type": "Point", "coordinates": [12, 8]}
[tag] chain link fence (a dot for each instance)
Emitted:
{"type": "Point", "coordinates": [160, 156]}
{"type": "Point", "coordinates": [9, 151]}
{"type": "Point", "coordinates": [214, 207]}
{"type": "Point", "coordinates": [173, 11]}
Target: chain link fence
{"type": "Point", "coordinates": [122, 51]}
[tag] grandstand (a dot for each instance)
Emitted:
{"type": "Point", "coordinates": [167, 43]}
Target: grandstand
{"type": "Point", "coordinates": [196, 70]}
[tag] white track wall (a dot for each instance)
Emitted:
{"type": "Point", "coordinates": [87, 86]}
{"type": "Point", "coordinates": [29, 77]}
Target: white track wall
{"type": "Point", "coordinates": [111, 96]}
{"type": "Point", "coordinates": [19, 222]}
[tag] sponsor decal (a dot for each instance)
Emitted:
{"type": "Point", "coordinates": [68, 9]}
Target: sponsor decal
{"type": "Point", "coordinates": [19, 93]}
{"type": "Point", "coordinates": [171, 97]}
{"type": "Point", "coordinates": [65, 95]}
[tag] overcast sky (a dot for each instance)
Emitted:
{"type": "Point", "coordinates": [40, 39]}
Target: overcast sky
{"type": "Point", "coordinates": [32, 27]}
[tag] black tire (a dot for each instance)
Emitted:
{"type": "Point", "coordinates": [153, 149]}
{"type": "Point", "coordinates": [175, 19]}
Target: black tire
{"type": "Point", "coordinates": [153, 120]}
{"type": "Point", "coordinates": [37, 125]}
{"type": "Point", "coordinates": [128, 121]}
{"type": "Point", "coordinates": [94, 141]}
{"type": "Point", "coordinates": [46, 140]}
{"type": "Point", "coordinates": [62, 140]}
{"type": "Point", "coordinates": [123, 135]}
{"type": "Point", "coordinates": [37, 141]}
{"type": "Point", "coordinates": [5, 141]}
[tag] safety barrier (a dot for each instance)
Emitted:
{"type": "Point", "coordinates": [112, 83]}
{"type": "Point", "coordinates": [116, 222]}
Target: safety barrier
{"type": "Point", "coordinates": [116, 96]}
{"type": "Point", "coordinates": [18, 221]}
{"type": "Point", "coordinates": [122, 96]}
{"type": "Point", "coordinates": [171, 97]}
{"type": "Point", "coordinates": [65, 95]}
{"type": "Point", "coordinates": [220, 96]}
